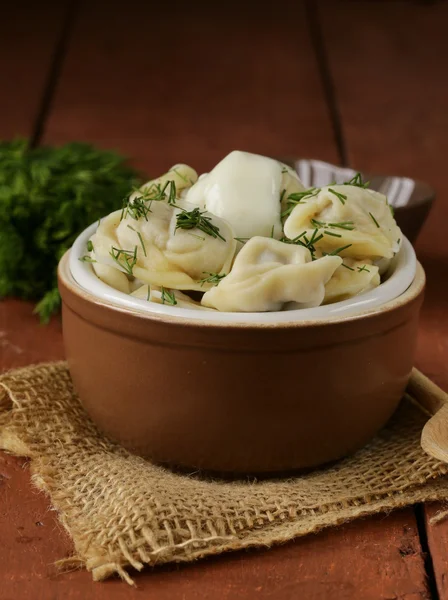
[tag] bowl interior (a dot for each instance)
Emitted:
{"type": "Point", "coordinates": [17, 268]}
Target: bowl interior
{"type": "Point", "coordinates": [399, 278]}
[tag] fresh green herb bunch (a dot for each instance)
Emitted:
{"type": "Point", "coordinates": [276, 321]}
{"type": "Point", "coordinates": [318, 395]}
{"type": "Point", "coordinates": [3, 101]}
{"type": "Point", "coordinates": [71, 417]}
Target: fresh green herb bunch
{"type": "Point", "coordinates": [47, 197]}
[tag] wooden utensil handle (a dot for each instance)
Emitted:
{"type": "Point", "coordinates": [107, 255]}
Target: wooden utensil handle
{"type": "Point", "coordinates": [426, 392]}
{"type": "Point", "coordinates": [434, 439]}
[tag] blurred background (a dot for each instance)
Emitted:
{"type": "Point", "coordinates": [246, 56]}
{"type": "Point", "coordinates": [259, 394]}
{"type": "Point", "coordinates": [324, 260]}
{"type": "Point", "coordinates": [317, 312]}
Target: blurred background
{"type": "Point", "coordinates": [358, 83]}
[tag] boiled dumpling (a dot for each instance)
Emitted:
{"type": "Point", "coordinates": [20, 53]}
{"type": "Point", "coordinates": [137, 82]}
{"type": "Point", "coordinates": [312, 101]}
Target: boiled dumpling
{"type": "Point", "coordinates": [267, 274]}
{"type": "Point", "coordinates": [350, 279]}
{"type": "Point", "coordinates": [356, 219]}
{"type": "Point", "coordinates": [244, 189]}
{"type": "Point", "coordinates": [176, 257]}
{"type": "Point", "coordinates": [197, 252]}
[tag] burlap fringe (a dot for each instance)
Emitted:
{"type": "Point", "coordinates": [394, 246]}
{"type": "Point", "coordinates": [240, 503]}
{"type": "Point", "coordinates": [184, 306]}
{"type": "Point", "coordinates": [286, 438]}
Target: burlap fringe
{"type": "Point", "coordinates": [122, 511]}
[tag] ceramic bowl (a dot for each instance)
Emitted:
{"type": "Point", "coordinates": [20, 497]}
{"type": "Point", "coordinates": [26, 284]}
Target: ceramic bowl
{"type": "Point", "coordinates": [239, 395]}
{"type": "Point", "coordinates": [399, 277]}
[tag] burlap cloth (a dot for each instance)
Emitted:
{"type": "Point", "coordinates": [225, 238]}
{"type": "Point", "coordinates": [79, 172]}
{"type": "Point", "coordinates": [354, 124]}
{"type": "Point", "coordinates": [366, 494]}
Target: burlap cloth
{"type": "Point", "coordinates": [121, 510]}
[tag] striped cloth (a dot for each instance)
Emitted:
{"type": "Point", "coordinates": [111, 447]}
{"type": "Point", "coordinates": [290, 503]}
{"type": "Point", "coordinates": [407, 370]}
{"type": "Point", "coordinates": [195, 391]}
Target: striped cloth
{"type": "Point", "coordinates": [315, 173]}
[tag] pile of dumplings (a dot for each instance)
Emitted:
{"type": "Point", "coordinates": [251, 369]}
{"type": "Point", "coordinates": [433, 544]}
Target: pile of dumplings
{"type": "Point", "coordinates": [246, 237]}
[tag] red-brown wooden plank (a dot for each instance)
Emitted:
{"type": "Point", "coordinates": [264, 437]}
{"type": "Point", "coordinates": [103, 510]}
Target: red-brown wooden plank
{"type": "Point", "coordinates": [393, 97]}
{"type": "Point", "coordinates": [28, 36]}
{"type": "Point", "coordinates": [163, 85]}
{"type": "Point", "coordinates": [337, 564]}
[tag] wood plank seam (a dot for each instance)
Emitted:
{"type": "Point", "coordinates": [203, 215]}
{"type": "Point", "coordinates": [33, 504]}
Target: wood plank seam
{"type": "Point", "coordinates": [426, 552]}
{"type": "Point", "coordinates": [54, 71]}
{"type": "Point", "coordinates": [326, 77]}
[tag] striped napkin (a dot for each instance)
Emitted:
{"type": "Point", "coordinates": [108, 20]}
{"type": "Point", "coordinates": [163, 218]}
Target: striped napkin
{"type": "Point", "coordinates": [315, 173]}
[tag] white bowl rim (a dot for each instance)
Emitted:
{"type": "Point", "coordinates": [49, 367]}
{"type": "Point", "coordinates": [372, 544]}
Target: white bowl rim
{"type": "Point", "coordinates": [403, 270]}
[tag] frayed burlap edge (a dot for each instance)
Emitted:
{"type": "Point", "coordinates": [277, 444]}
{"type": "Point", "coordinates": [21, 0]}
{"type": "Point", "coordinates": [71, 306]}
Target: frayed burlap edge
{"type": "Point", "coordinates": [431, 484]}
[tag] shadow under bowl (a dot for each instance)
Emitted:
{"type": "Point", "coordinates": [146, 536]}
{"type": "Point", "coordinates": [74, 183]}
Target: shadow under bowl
{"type": "Point", "coordinates": [241, 397]}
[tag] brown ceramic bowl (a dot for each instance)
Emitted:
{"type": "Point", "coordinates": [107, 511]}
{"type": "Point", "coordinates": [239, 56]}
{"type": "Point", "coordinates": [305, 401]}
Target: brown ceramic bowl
{"type": "Point", "coordinates": [238, 397]}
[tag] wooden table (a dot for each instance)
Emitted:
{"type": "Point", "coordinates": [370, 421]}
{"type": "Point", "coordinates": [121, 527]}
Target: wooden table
{"type": "Point", "coordinates": [359, 83]}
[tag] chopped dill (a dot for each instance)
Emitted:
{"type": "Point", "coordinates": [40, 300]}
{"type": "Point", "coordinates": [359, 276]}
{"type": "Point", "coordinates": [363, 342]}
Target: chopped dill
{"type": "Point", "coordinates": [347, 267]}
{"type": "Point", "coordinates": [140, 206]}
{"type": "Point", "coordinates": [172, 196]}
{"type": "Point", "coordinates": [140, 238]}
{"type": "Point", "coordinates": [357, 181]}
{"type": "Point", "coordinates": [332, 233]}
{"type": "Point", "coordinates": [87, 259]}
{"type": "Point", "coordinates": [363, 268]}
{"type": "Point", "coordinates": [374, 220]}
{"type": "Point", "coordinates": [302, 240]}
{"type": "Point", "coordinates": [148, 295]}
{"type": "Point", "coordinates": [341, 197]}
{"type": "Point", "coordinates": [338, 250]}
{"type": "Point", "coordinates": [168, 297]}
{"type": "Point", "coordinates": [194, 219]}
{"type": "Point", "coordinates": [135, 209]}
{"type": "Point", "coordinates": [213, 278]}
{"type": "Point", "coordinates": [89, 246]}
{"type": "Point", "coordinates": [126, 259]}
{"type": "Point", "coordinates": [348, 225]}
{"type": "Point", "coordinates": [298, 197]}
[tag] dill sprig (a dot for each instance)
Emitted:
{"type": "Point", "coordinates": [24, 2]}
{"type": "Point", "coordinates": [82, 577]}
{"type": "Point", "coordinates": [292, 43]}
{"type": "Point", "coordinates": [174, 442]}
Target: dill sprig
{"type": "Point", "coordinates": [374, 220]}
{"type": "Point", "coordinates": [332, 233]}
{"type": "Point", "coordinates": [135, 208]}
{"type": "Point", "coordinates": [348, 225]}
{"type": "Point", "coordinates": [140, 238]}
{"type": "Point", "coordinates": [302, 240]}
{"type": "Point", "coordinates": [140, 206]}
{"type": "Point", "coordinates": [213, 278]}
{"type": "Point", "coordinates": [48, 195]}
{"type": "Point", "coordinates": [363, 268]}
{"type": "Point", "coordinates": [194, 219]}
{"type": "Point", "coordinates": [124, 258]}
{"type": "Point", "coordinates": [168, 297]}
{"type": "Point", "coordinates": [347, 267]}
{"type": "Point", "coordinates": [357, 181]}
{"type": "Point", "coordinates": [338, 250]}
{"type": "Point", "coordinates": [341, 197]}
{"type": "Point", "coordinates": [298, 198]}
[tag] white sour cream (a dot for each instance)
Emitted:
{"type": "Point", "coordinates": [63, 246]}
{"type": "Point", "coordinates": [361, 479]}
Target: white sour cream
{"type": "Point", "coordinates": [244, 189]}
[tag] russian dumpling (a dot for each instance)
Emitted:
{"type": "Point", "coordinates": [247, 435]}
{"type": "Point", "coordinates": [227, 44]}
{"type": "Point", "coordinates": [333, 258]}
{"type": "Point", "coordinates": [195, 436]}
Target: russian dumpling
{"type": "Point", "coordinates": [244, 189]}
{"type": "Point", "coordinates": [351, 278]}
{"type": "Point", "coordinates": [355, 219]}
{"type": "Point", "coordinates": [267, 274]}
{"type": "Point", "coordinates": [166, 253]}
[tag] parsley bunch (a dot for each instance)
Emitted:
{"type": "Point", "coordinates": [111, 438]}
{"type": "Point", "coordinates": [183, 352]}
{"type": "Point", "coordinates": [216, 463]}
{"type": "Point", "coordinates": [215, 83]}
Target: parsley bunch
{"type": "Point", "coordinates": [47, 197]}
